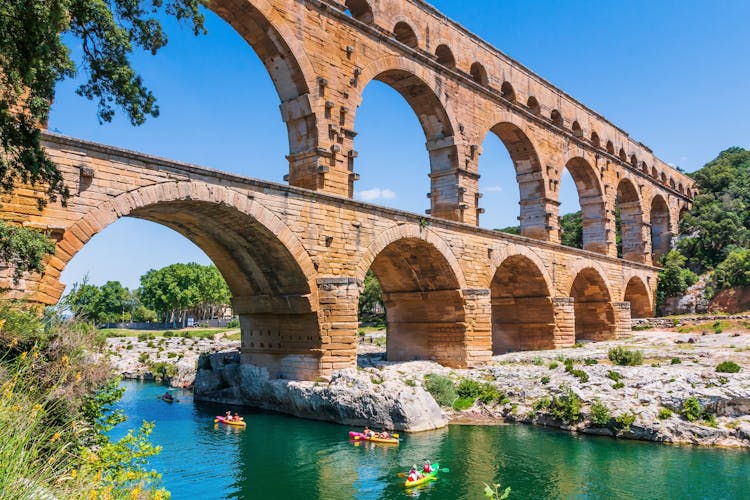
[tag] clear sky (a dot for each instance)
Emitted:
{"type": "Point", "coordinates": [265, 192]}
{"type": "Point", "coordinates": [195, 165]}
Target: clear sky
{"type": "Point", "coordinates": [674, 74]}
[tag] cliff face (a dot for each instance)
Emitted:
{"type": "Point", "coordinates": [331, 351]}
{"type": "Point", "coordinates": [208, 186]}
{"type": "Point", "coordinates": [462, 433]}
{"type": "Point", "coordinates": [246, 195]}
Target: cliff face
{"type": "Point", "coordinates": [352, 397]}
{"type": "Point", "coordinates": [732, 300]}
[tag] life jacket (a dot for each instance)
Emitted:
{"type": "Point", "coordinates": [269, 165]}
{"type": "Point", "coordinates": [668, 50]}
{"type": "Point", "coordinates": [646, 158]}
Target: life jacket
{"type": "Point", "coordinates": [427, 468]}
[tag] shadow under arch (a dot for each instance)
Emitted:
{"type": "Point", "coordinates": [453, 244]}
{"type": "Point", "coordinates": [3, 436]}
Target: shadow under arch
{"type": "Point", "coordinates": [661, 234]}
{"type": "Point", "coordinates": [523, 316]}
{"type": "Point", "coordinates": [594, 313]}
{"type": "Point", "coordinates": [422, 296]}
{"type": "Point", "coordinates": [637, 293]}
{"type": "Point", "coordinates": [529, 177]}
{"type": "Point", "coordinates": [631, 221]}
{"type": "Point", "coordinates": [591, 200]}
{"type": "Point", "coordinates": [270, 276]}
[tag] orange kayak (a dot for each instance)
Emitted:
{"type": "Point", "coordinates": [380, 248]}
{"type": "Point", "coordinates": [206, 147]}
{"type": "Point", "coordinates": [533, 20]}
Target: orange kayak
{"type": "Point", "coordinates": [223, 420]}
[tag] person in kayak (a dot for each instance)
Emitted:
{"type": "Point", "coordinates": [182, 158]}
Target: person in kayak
{"type": "Point", "coordinates": [167, 396]}
{"type": "Point", "coordinates": [228, 416]}
{"type": "Point", "coordinates": [384, 435]}
{"type": "Point", "coordinates": [237, 417]}
{"type": "Point", "coordinates": [427, 467]}
{"type": "Point", "coordinates": [414, 474]}
{"type": "Point", "coordinates": [367, 432]}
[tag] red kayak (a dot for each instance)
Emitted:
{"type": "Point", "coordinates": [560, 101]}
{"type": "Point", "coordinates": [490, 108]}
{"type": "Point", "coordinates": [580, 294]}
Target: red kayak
{"type": "Point", "coordinates": [358, 436]}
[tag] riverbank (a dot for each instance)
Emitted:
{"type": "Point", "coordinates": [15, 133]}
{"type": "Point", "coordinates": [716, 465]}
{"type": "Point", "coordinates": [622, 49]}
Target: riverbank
{"type": "Point", "coordinates": [592, 396]}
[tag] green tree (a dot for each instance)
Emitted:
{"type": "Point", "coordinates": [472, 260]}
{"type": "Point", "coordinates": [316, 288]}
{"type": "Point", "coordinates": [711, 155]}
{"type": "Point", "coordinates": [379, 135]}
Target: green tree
{"type": "Point", "coordinates": [34, 57]}
{"type": "Point", "coordinates": [734, 271]}
{"type": "Point", "coordinates": [571, 230]}
{"type": "Point", "coordinates": [82, 300]}
{"type": "Point", "coordinates": [371, 298]}
{"type": "Point", "coordinates": [23, 249]}
{"type": "Point", "coordinates": [674, 279]}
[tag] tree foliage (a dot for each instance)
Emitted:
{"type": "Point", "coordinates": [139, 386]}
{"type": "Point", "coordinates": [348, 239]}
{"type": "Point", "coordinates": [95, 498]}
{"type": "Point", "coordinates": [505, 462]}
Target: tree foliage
{"type": "Point", "coordinates": [108, 303]}
{"type": "Point", "coordinates": [371, 299]}
{"type": "Point", "coordinates": [571, 229]}
{"type": "Point", "coordinates": [734, 271]}
{"type": "Point", "coordinates": [34, 57]}
{"type": "Point", "coordinates": [719, 221]}
{"type": "Point", "coordinates": [674, 279]}
{"type": "Point", "coordinates": [23, 249]}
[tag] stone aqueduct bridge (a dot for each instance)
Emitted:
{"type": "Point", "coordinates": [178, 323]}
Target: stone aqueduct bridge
{"type": "Point", "coordinates": [295, 256]}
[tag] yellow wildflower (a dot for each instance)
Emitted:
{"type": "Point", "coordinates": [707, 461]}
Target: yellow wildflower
{"type": "Point", "coordinates": [78, 376]}
{"type": "Point", "coordinates": [135, 493]}
{"type": "Point", "coordinates": [65, 360]}
{"type": "Point", "coordinates": [157, 495]}
{"type": "Point", "coordinates": [73, 473]}
{"type": "Point", "coordinates": [55, 437]}
{"type": "Point", "coordinates": [24, 354]}
{"type": "Point", "coordinates": [14, 342]}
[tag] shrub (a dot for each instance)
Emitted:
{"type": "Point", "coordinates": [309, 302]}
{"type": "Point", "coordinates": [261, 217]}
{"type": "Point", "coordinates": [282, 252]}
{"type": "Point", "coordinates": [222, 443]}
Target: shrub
{"type": "Point", "coordinates": [463, 403]}
{"type": "Point", "coordinates": [613, 375]}
{"type": "Point", "coordinates": [734, 271]}
{"type": "Point", "coordinates": [162, 369]}
{"type": "Point", "coordinates": [441, 388]}
{"type": "Point", "coordinates": [145, 336]}
{"type": "Point", "coordinates": [545, 380]}
{"type": "Point", "coordinates": [172, 354]}
{"type": "Point", "coordinates": [567, 407]}
{"type": "Point", "coordinates": [674, 279]}
{"type": "Point", "coordinates": [590, 361]}
{"type": "Point", "coordinates": [538, 361]}
{"type": "Point", "coordinates": [618, 385]}
{"type": "Point", "coordinates": [664, 413]}
{"type": "Point", "coordinates": [600, 414]}
{"type": "Point", "coordinates": [728, 367]}
{"type": "Point", "coordinates": [233, 323]}
{"type": "Point", "coordinates": [553, 365]}
{"type": "Point", "coordinates": [568, 364]}
{"type": "Point", "coordinates": [625, 420]}
{"type": "Point", "coordinates": [691, 409]}
{"type": "Point", "coordinates": [710, 420]}
{"type": "Point", "coordinates": [410, 382]}
{"type": "Point", "coordinates": [468, 388]}
{"type": "Point", "coordinates": [143, 357]}
{"type": "Point", "coordinates": [168, 334]}
{"type": "Point", "coordinates": [625, 357]}
{"type": "Point", "coordinates": [489, 393]}
{"type": "Point", "coordinates": [676, 361]}
{"type": "Point", "coordinates": [580, 375]}
{"type": "Point", "coordinates": [543, 403]}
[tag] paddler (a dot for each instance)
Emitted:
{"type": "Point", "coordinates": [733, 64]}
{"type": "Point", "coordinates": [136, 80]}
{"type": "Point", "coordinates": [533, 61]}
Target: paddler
{"type": "Point", "coordinates": [427, 467]}
{"type": "Point", "coordinates": [228, 416]}
{"type": "Point", "coordinates": [414, 474]}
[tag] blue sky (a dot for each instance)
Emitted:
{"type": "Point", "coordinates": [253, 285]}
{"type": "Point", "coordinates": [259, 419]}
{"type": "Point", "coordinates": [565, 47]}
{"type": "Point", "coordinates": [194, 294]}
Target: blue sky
{"type": "Point", "coordinates": [674, 74]}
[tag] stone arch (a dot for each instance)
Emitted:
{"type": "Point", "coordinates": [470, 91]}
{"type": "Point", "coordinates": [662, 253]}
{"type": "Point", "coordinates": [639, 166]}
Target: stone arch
{"type": "Point", "coordinates": [523, 316]}
{"type": "Point", "coordinates": [661, 235]}
{"type": "Point", "coordinates": [445, 56]}
{"type": "Point", "coordinates": [479, 73]}
{"type": "Point", "coordinates": [672, 183]}
{"type": "Point", "coordinates": [634, 161]}
{"type": "Point", "coordinates": [360, 10]}
{"type": "Point", "coordinates": [267, 269]}
{"type": "Point", "coordinates": [405, 34]}
{"type": "Point", "coordinates": [631, 221]}
{"type": "Point", "coordinates": [595, 140]}
{"type": "Point", "coordinates": [507, 92]}
{"type": "Point", "coordinates": [637, 293]}
{"type": "Point", "coordinates": [680, 188]}
{"type": "Point", "coordinates": [610, 148]}
{"type": "Point", "coordinates": [623, 155]}
{"type": "Point", "coordinates": [533, 104]}
{"type": "Point", "coordinates": [576, 129]}
{"type": "Point", "coordinates": [556, 118]}
{"type": "Point", "coordinates": [529, 172]}
{"type": "Point", "coordinates": [644, 167]}
{"type": "Point", "coordinates": [591, 200]}
{"type": "Point", "coordinates": [654, 173]}
{"type": "Point", "coordinates": [594, 313]}
{"type": "Point", "coordinates": [422, 294]}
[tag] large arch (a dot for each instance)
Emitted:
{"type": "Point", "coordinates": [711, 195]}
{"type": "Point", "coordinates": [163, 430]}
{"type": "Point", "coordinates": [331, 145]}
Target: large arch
{"type": "Point", "coordinates": [292, 73]}
{"type": "Point", "coordinates": [529, 177]}
{"type": "Point", "coordinates": [636, 292]}
{"type": "Point", "coordinates": [421, 282]}
{"type": "Point", "coordinates": [594, 313]}
{"type": "Point", "coordinates": [523, 317]}
{"type": "Point", "coordinates": [591, 199]}
{"type": "Point", "coordinates": [661, 235]}
{"type": "Point", "coordinates": [435, 118]}
{"type": "Point", "coordinates": [268, 271]}
{"type": "Point", "coordinates": [631, 221]}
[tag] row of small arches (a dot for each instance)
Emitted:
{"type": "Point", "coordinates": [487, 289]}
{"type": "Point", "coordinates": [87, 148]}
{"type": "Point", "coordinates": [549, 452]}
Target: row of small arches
{"type": "Point", "coordinates": [405, 34]}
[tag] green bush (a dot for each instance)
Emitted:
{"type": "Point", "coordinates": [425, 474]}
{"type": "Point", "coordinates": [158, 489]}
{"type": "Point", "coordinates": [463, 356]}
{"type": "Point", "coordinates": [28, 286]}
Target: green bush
{"type": "Point", "coordinates": [233, 323]}
{"type": "Point", "coordinates": [543, 403]}
{"type": "Point", "coordinates": [463, 403]}
{"type": "Point", "coordinates": [567, 407]}
{"type": "Point", "coordinates": [410, 382]}
{"type": "Point", "coordinates": [162, 369]}
{"type": "Point", "coordinates": [168, 334]}
{"type": "Point", "coordinates": [146, 336]}
{"type": "Point", "coordinates": [691, 409]}
{"type": "Point", "coordinates": [468, 388]}
{"type": "Point", "coordinates": [545, 380]}
{"type": "Point", "coordinates": [538, 361]}
{"type": "Point", "coordinates": [590, 361]}
{"type": "Point", "coordinates": [676, 361]}
{"type": "Point", "coordinates": [625, 357]}
{"type": "Point", "coordinates": [618, 385]}
{"type": "Point", "coordinates": [172, 354]}
{"type": "Point", "coordinates": [613, 375]}
{"type": "Point", "coordinates": [441, 388]}
{"type": "Point", "coordinates": [580, 375]}
{"type": "Point", "coordinates": [553, 365]}
{"type": "Point", "coordinates": [143, 357]}
{"type": "Point", "coordinates": [664, 413]}
{"type": "Point", "coordinates": [734, 271]}
{"type": "Point", "coordinates": [489, 393]}
{"type": "Point", "coordinates": [728, 367]}
{"type": "Point", "coordinates": [710, 420]}
{"type": "Point", "coordinates": [625, 420]}
{"type": "Point", "coordinates": [600, 414]}
{"type": "Point", "coordinates": [674, 279]}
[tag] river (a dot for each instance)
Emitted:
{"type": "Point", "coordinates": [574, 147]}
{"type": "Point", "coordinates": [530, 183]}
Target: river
{"type": "Point", "coordinates": [288, 458]}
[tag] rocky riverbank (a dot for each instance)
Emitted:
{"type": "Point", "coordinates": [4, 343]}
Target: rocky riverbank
{"type": "Point", "coordinates": [675, 396]}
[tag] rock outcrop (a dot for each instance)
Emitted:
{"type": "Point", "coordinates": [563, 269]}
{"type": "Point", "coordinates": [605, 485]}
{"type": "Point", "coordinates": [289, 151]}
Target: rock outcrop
{"type": "Point", "coordinates": [351, 397]}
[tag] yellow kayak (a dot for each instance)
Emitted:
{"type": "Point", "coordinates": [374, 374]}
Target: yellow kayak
{"type": "Point", "coordinates": [358, 436]}
{"type": "Point", "coordinates": [223, 420]}
{"type": "Point", "coordinates": [424, 479]}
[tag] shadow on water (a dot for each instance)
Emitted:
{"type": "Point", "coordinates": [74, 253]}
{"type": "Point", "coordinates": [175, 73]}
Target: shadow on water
{"type": "Point", "coordinates": [278, 456]}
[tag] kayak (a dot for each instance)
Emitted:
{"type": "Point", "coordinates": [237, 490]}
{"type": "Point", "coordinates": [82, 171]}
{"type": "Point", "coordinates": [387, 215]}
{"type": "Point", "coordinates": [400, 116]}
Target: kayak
{"type": "Point", "coordinates": [168, 400]}
{"type": "Point", "coordinates": [361, 437]}
{"type": "Point", "coordinates": [223, 420]}
{"type": "Point", "coordinates": [426, 478]}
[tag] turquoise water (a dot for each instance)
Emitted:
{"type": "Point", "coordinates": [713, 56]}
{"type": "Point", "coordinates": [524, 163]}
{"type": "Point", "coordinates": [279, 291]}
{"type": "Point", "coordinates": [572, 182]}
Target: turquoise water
{"type": "Point", "coordinates": [283, 457]}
